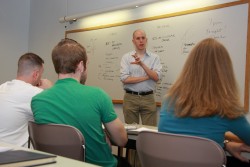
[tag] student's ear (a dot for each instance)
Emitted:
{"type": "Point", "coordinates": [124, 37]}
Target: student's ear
{"type": "Point", "coordinates": [35, 74]}
{"type": "Point", "coordinates": [80, 67]}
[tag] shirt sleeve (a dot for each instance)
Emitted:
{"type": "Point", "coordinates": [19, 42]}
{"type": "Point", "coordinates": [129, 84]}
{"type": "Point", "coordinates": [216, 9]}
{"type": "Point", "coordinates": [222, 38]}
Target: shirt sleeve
{"type": "Point", "coordinates": [157, 66]}
{"type": "Point", "coordinates": [241, 128]}
{"type": "Point", "coordinates": [106, 107]}
{"type": "Point", "coordinates": [124, 70]}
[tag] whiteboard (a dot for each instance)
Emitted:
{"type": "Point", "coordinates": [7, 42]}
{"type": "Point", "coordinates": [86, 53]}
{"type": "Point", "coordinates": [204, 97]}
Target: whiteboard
{"type": "Point", "coordinates": [171, 38]}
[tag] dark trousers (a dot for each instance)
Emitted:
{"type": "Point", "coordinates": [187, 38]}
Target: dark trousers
{"type": "Point", "coordinates": [122, 162]}
{"type": "Point", "coordinates": [233, 162]}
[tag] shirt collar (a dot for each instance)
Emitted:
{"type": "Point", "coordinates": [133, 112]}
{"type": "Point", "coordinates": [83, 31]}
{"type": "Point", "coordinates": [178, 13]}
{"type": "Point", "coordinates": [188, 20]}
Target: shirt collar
{"type": "Point", "coordinates": [147, 53]}
{"type": "Point", "coordinates": [66, 80]}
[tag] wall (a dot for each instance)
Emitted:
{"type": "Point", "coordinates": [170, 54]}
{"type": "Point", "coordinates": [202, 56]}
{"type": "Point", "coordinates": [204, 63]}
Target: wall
{"type": "Point", "coordinates": [45, 30]}
{"type": "Point", "coordinates": [17, 37]}
{"type": "Point", "coordinates": [159, 8]}
{"type": "Point", "coordinates": [133, 14]}
{"type": "Point", "coordinates": [172, 39]}
{"type": "Point", "coordinates": [14, 33]}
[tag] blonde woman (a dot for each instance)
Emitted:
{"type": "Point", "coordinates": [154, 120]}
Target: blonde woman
{"type": "Point", "coordinates": [204, 101]}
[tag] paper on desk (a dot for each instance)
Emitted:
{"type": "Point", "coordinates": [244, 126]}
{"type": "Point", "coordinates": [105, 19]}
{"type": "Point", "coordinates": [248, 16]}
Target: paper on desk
{"type": "Point", "coordinates": [144, 129]}
{"type": "Point", "coordinates": [136, 131]}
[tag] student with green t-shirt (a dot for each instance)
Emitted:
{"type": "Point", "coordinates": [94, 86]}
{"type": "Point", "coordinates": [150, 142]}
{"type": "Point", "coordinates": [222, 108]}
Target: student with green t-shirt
{"type": "Point", "coordinates": [84, 107]}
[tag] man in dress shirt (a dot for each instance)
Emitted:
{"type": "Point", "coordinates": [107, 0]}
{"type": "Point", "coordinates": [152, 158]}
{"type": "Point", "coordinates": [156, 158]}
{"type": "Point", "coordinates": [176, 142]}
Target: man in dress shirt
{"type": "Point", "coordinates": [140, 71]}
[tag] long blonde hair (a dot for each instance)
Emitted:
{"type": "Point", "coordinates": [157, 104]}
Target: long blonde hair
{"type": "Point", "coordinates": [206, 85]}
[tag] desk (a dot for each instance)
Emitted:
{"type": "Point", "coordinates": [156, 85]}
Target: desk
{"type": "Point", "coordinates": [132, 136]}
{"type": "Point", "coordinates": [60, 161]}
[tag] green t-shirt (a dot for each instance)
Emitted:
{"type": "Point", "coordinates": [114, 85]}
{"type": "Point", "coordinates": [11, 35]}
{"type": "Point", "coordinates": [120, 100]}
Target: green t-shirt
{"type": "Point", "coordinates": [84, 107]}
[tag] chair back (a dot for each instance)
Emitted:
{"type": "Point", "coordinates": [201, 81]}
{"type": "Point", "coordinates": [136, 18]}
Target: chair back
{"type": "Point", "coordinates": [171, 150]}
{"type": "Point", "coordinates": [63, 140]}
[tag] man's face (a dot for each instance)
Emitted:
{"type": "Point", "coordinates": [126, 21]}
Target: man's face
{"type": "Point", "coordinates": [140, 40]}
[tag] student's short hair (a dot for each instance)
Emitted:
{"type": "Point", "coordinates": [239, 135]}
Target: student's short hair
{"type": "Point", "coordinates": [28, 62]}
{"type": "Point", "coordinates": [67, 54]}
{"type": "Point", "coordinates": [133, 36]}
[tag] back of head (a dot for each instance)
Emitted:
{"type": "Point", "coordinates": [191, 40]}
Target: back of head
{"type": "Point", "coordinates": [67, 54]}
{"type": "Point", "coordinates": [209, 64]}
{"type": "Point", "coordinates": [27, 63]}
{"type": "Point", "coordinates": [207, 85]}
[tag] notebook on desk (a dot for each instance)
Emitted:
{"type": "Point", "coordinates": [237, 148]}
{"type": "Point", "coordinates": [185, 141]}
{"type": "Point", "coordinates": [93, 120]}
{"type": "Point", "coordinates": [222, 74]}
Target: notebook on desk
{"type": "Point", "coordinates": [21, 158]}
{"type": "Point", "coordinates": [130, 127]}
{"type": "Point", "coordinates": [137, 130]}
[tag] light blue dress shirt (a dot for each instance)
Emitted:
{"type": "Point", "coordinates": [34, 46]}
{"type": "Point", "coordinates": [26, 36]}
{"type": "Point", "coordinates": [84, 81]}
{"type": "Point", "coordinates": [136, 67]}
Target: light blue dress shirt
{"type": "Point", "coordinates": [127, 69]}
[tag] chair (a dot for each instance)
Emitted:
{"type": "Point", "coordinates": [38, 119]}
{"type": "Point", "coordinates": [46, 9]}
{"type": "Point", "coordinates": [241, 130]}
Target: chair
{"type": "Point", "coordinates": [63, 140]}
{"type": "Point", "coordinates": [171, 150]}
